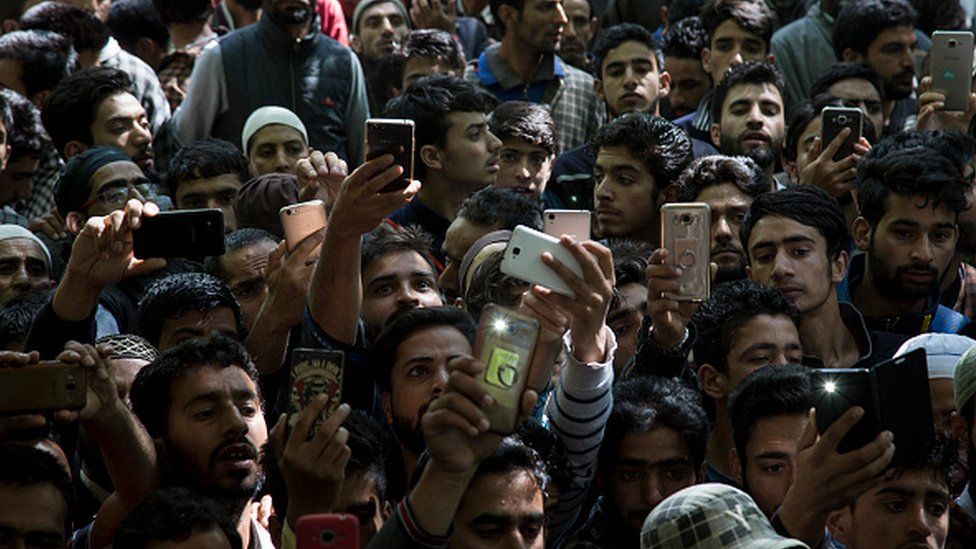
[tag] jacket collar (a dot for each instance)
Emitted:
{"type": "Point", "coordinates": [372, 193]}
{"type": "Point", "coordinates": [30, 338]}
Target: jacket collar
{"type": "Point", "coordinates": [273, 36]}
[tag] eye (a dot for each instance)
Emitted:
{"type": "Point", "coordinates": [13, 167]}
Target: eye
{"type": "Point", "coordinates": [942, 236]}
{"type": "Point", "coordinates": [417, 372]}
{"type": "Point", "coordinates": [896, 505]}
{"type": "Point", "coordinates": [204, 414]}
{"type": "Point", "coordinates": [424, 285]}
{"type": "Point", "coordinates": [937, 508]}
{"type": "Point", "coordinates": [629, 475]}
{"type": "Point", "coordinates": [509, 157]}
{"type": "Point", "coordinates": [773, 469]}
{"type": "Point", "coordinates": [675, 474]}
{"type": "Point", "coordinates": [383, 290]}
{"type": "Point", "coordinates": [249, 410]}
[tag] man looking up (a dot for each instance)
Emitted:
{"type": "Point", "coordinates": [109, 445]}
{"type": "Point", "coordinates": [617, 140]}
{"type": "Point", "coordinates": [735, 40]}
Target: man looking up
{"type": "Point", "coordinates": [243, 268]}
{"type": "Point", "coordinates": [683, 45]}
{"type": "Point", "coordinates": [525, 67]}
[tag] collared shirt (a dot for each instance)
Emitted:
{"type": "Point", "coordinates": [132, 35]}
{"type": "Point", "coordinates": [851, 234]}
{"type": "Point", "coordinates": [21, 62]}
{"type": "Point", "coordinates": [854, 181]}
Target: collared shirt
{"type": "Point", "coordinates": [508, 86]}
{"type": "Point", "coordinates": [144, 81]}
{"type": "Point", "coordinates": [45, 179]}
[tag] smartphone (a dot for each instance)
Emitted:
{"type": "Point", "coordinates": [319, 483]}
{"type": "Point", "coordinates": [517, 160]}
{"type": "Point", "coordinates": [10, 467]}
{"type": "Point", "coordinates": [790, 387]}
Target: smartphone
{"type": "Point", "coordinates": [523, 259]}
{"type": "Point", "coordinates": [301, 220]}
{"type": "Point", "coordinates": [952, 67]}
{"type": "Point", "coordinates": [836, 119]}
{"type": "Point", "coordinates": [575, 223]}
{"type": "Point", "coordinates": [42, 387]}
{"type": "Point", "coordinates": [505, 344]}
{"type": "Point", "coordinates": [327, 531]}
{"type": "Point", "coordinates": [686, 232]}
{"type": "Point", "coordinates": [836, 391]}
{"type": "Point", "coordinates": [315, 372]}
{"type": "Point", "coordinates": [396, 137]}
{"type": "Point", "coordinates": [182, 233]}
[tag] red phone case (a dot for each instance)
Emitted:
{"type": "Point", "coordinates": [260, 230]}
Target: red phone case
{"type": "Point", "coordinates": [328, 531]}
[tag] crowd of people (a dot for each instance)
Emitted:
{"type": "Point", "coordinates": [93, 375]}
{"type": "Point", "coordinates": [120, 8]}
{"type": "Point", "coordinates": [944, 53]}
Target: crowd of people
{"type": "Point", "coordinates": [647, 419]}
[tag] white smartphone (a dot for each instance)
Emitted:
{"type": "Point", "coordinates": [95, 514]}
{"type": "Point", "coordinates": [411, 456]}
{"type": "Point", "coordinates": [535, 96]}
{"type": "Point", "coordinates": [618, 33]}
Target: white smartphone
{"type": "Point", "coordinates": [523, 259]}
{"type": "Point", "coordinates": [952, 67]}
{"type": "Point", "coordinates": [575, 223]}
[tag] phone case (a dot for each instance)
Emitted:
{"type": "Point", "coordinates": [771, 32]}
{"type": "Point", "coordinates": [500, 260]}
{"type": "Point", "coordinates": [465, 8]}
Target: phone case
{"type": "Point", "coordinates": [952, 67]}
{"type": "Point", "coordinates": [523, 259]}
{"type": "Point", "coordinates": [505, 345]}
{"type": "Point", "coordinates": [906, 404]}
{"type": "Point", "coordinates": [181, 233]}
{"type": "Point", "coordinates": [575, 223]}
{"type": "Point", "coordinates": [301, 220]}
{"type": "Point", "coordinates": [396, 137]}
{"type": "Point", "coordinates": [836, 119]}
{"type": "Point", "coordinates": [837, 390]}
{"type": "Point", "coordinates": [327, 531]}
{"type": "Point", "coordinates": [686, 230]}
{"type": "Point", "coordinates": [42, 387]}
{"type": "Point", "coordinates": [314, 372]}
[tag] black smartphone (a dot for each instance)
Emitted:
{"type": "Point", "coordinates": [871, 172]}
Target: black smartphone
{"type": "Point", "coordinates": [836, 119]}
{"type": "Point", "coordinates": [183, 233]}
{"type": "Point", "coordinates": [838, 390]}
{"type": "Point", "coordinates": [906, 404]}
{"type": "Point", "coordinates": [396, 137]}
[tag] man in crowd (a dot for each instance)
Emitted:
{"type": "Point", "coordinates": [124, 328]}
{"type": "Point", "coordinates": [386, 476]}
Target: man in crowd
{"type": "Point", "coordinates": [858, 85]}
{"type": "Point", "coordinates": [804, 49]}
{"type": "Point", "coordinates": [243, 268]}
{"type": "Point", "coordinates": [33, 62]}
{"type": "Point", "coordinates": [683, 45]}
{"type": "Point", "coordinates": [378, 28]}
{"type": "Point", "coordinates": [25, 263]}
{"type": "Point", "coordinates": [425, 52]}
{"type": "Point", "coordinates": [528, 136]}
{"type": "Point", "coordinates": [581, 25]}
{"type": "Point", "coordinates": [189, 27]}
{"type": "Point", "coordinates": [273, 140]}
{"type": "Point", "coordinates": [207, 174]}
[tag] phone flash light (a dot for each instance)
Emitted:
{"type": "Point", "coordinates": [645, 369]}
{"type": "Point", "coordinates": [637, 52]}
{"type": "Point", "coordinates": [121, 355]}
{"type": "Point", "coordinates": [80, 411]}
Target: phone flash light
{"type": "Point", "coordinates": [500, 325]}
{"type": "Point", "coordinates": [830, 386]}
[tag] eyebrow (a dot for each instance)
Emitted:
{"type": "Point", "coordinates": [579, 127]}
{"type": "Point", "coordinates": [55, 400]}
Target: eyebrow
{"type": "Point", "coordinates": [497, 518]}
{"type": "Point", "coordinates": [122, 182]}
{"type": "Point", "coordinates": [765, 346]}
{"type": "Point", "coordinates": [787, 240]}
{"type": "Point", "coordinates": [773, 455]}
{"type": "Point", "coordinates": [666, 462]}
{"type": "Point", "coordinates": [217, 396]}
{"type": "Point", "coordinates": [478, 126]}
{"type": "Point", "coordinates": [621, 312]}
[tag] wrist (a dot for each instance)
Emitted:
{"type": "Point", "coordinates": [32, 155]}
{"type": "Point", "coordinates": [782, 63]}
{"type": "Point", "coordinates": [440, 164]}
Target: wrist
{"type": "Point", "coordinates": [590, 346]}
{"type": "Point", "coordinates": [667, 340]}
{"type": "Point", "coordinates": [450, 476]}
{"type": "Point", "coordinates": [75, 298]}
{"type": "Point", "coordinates": [801, 519]}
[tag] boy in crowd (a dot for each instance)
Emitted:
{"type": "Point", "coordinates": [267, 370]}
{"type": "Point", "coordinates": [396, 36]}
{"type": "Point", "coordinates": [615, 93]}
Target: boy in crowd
{"type": "Point", "coordinates": [683, 44]}
{"type": "Point", "coordinates": [528, 137]}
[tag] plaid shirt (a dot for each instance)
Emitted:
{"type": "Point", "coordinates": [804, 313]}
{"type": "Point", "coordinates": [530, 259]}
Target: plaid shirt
{"type": "Point", "coordinates": [45, 179]}
{"type": "Point", "coordinates": [175, 69]}
{"type": "Point", "coordinates": [966, 301]}
{"type": "Point", "coordinates": [570, 97]}
{"type": "Point", "coordinates": [144, 81]}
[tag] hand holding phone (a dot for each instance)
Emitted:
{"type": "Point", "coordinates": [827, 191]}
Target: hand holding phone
{"type": "Point", "coordinates": [505, 344]}
{"type": "Point", "coordinates": [523, 259]}
{"type": "Point", "coordinates": [669, 317]}
{"type": "Point", "coordinates": [835, 120]}
{"type": "Point", "coordinates": [396, 137]}
{"type": "Point", "coordinates": [43, 387]}
{"type": "Point", "coordinates": [301, 220]}
{"type": "Point", "coordinates": [315, 372]}
{"type": "Point", "coordinates": [181, 233]}
{"type": "Point", "coordinates": [328, 531]}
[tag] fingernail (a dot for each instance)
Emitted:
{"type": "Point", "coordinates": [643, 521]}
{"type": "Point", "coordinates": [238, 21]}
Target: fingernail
{"type": "Point", "coordinates": [483, 425]}
{"type": "Point", "coordinates": [888, 436]}
{"type": "Point", "coordinates": [488, 400]}
{"type": "Point", "coordinates": [344, 408]}
{"type": "Point", "coordinates": [473, 431]}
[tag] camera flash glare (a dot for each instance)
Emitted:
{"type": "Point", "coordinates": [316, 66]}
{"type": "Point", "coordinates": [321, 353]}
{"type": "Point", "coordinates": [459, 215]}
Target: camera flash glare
{"type": "Point", "coordinates": [830, 386]}
{"type": "Point", "coordinates": [500, 325]}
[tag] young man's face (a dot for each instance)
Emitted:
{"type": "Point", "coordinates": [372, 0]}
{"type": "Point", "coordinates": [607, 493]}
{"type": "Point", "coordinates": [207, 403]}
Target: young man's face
{"type": "Point", "coordinates": [397, 281]}
{"type": "Point", "coordinates": [731, 45]}
{"type": "Point", "coordinates": [524, 167]}
{"type": "Point", "coordinates": [625, 321]}
{"type": "Point", "coordinates": [17, 179]}
{"type": "Point", "coordinates": [194, 324]}
{"type": "Point", "coordinates": [578, 32]}
{"type": "Point", "coordinates": [420, 66]}
{"type": "Point", "coordinates": [766, 471]}
{"type": "Point", "coordinates": [689, 83]}
{"type": "Point", "coordinates": [911, 247]}
{"type": "Point", "coordinates": [625, 195]}
{"type": "Point", "coordinates": [540, 24]}
{"type": "Point", "coordinates": [121, 121]}
{"type": "Point", "coordinates": [215, 429]}
{"type": "Point", "coordinates": [943, 402]}
{"type": "Point", "coordinates": [803, 147]}
{"type": "Point", "coordinates": [909, 510]}
{"type": "Point", "coordinates": [501, 510]}
{"type": "Point", "coordinates": [470, 153]}
{"type": "Point", "coordinates": [419, 375]}
{"type": "Point", "coordinates": [630, 79]}
{"type": "Point", "coordinates": [275, 148]}
{"type": "Point", "coordinates": [244, 270]}
{"type": "Point", "coordinates": [359, 496]}
{"type": "Point", "coordinates": [34, 516]}
{"type": "Point", "coordinates": [381, 28]}
{"type": "Point", "coordinates": [729, 206]}
{"type": "Point", "coordinates": [23, 267]}
{"type": "Point", "coordinates": [752, 124]}
{"type": "Point", "coordinates": [646, 469]}
{"type": "Point", "coordinates": [890, 54]}
{"type": "Point", "coordinates": [864, 96]}
{"type": "Point", "coordinates": [461, 235]}
{"type": "Point", "coordinates": [763, 340]}
{"type": "Point", "coordinates": [792, 258]}
{"type": "Point", "coordinates": [211, 192]}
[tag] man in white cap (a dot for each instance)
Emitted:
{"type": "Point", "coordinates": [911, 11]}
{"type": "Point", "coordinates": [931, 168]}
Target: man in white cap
{"type": "Point", "coordinates": [274, 140]}
{"type": "Point", "coordinates": [942, 351]}
{"type": "Point", "coordinates": [25, 263]}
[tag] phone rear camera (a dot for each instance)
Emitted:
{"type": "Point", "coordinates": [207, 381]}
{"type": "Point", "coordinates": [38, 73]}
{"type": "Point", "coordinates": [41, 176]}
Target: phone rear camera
{"type": "Point", "coordinates": [71, 385]}
{"type": "Point", "coordinates": [952, 43]}
{"type": "Point", "coordinates": [686, 219]}
{"type": "Point", "coordinates": [287, 212]}
{"type": "Point", "coordinates": [842, 119]}
{"type": "Point", "coordinates": [552, 217]}
{"type": "Point", "coordinates": [516, 250]}
{"type": "Point", "coordinates": [327, 537]}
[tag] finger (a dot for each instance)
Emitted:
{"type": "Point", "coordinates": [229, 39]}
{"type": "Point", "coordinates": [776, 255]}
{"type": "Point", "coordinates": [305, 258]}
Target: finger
{"type": "Point", "coordinates": [328, 429]}
{"type": "Point", "coordinates": [809, 435]}
{"type": "Point", "coordinates": [133, 213]}
{"type": "Point", "coordinates": [334, 447]}
{"type": "Point", "coordinates": [275, 257]}
{"type": "Point", "coordinates": [467, 364]}
{"type": "Point", "coordinates": [529, 399]}
{"type": "Point", "coordinates": [368, 169]}
{"type": "Point", "coordinates": [576, 284]}
{"type": "Point", "coordinates": [475, 420]}
{"type": "Point", "coordinates": [816, 147]}
{"type": "Point", "coordinates": [146, 266]}
{"type": "Point", "coordinates": [445, 418]}
{"type": "Point", "coordinates": [376, 183]}
{"type": "Point", "coordinates": [836, 143]}
{"type": "Point", "coordinates": [658, 257]}
{"type": "Point", "coordinates": [306, 247]}
{"type": "Point", "coordinates": [14, 358]}
{"type": "Point", "coordinates": [335, 165]}
{"type": "Point", "coordinates": [302, 427]}
{"type": "Point", "coordinates": [470, 388]}
{"type": "Point", "coordinates": [603, 256]}
{"type": "Point", "coordinates": [863, 457]}
{"type": "Point", "coordinates": [925, 84]}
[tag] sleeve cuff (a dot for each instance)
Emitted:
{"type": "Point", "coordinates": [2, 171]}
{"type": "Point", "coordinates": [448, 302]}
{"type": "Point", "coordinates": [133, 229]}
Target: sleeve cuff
{"type": "Point", "coordinates": [610, 344]}
{"type": "Point", "coordinates": [416, 532]}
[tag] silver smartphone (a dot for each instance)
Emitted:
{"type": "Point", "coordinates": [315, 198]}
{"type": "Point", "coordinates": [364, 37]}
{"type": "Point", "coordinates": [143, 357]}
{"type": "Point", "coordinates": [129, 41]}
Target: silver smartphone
{"type": "Point", "coordinates": [952, 67]}
{"type": "Point", "coordinates": [575, 223]}
{"type": "Point", "coordinates": [523, 259]}
{"type": "Point", "coordinates": [686, 229]}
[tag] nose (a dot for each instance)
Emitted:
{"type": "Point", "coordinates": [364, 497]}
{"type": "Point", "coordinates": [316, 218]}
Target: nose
{"type": "Point", "coordinates": [493, 142]}
{"type": "Point", "coordinates": [650, 491]}
{"type": "Point", "coordinates": [561, 13]}
{"type": "Point", "coordinates": [602, 190]}
{"type": "Point", "coordinates": [917, 523]}
{"type": "Point", "coordinates": [387, 26]}
{"type": "Point", "coordinates": [522, 173]}
{"type": "Point", "coordinates": [439, 381]}
{"type": "Point", "coordinates": [782, 267]}
{"type": "Point", "coordinates": [922, 251]}
{"type": "Point", "coordinates": [407, 297]}
{"type": "Point", "coordinates": [736, 59]}
{"type": "Point", "coordinates": [235, 423]}
{"type": "Point", "coordinates": [281, 161]}
{"type": "Point", "coordinates": [722, 230]}
{"type": "Point", "coordinates": [755, 117]}
{"type": "Point", "coordinates": [448, 281]}
{"type": "Point", "coordinates": [21, 280]}
{"type": "Point", "coordinates": [141, 135]}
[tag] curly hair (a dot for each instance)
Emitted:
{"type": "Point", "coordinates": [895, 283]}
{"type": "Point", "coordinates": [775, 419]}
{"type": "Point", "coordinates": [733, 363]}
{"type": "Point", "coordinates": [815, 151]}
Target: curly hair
{"type": "Point", "coordinates": [663, 147]}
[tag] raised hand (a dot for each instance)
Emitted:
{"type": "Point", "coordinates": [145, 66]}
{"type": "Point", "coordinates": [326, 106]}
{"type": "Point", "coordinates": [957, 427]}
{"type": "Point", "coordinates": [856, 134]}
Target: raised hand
{"type": "Point", "coordinates": [434, 14]}
{"type": "Point", "coordinates": [669, 317]}
{"type": "Point", "coordinates": [103, 393]}
{"type": "Point", "coordinates": [321, 176]}
{"type": "Point", "coordinates": [360, 206]}
{"type": "Point", "coordinates": [834, 177]}
{"type": "Point", "coordinates": [931, 113]}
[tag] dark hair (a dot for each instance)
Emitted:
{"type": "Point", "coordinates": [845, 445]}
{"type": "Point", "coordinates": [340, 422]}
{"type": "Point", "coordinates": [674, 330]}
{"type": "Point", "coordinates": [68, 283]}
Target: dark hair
{"type": "Point", "coordinates": [685, 39]}
{"type": "Point", "coordinates": [71, 191]}
{"type": "Point", "coordinates": [529, 122]}
{"type": "Point", "coordinates": [203, 159]}
{"type": "Point", "coordinates": [771, 391]}
{"type": "Point", "coordinates": [846, 70]}
{"type": "Point", "coordinates": [807, 205]}
{"type": "Point", "coordinates": [512, 455]}
{"type": "Point", "coordinates": [385, 240]}
{"type": "Point", "coordinates": [44, 58]}
{"type": "Point", "coordinates": [733, 304]}
{"type": "Point", "coordinates": [494, 6]}
{"type": "Point", "coordinates": [680, 10]}
{"type": "Point", "coordinates": [663, 147]}
{"type": "Point", "coordinates": [17, 315]}
{"type": "Point", "coordinates": [71, 108]}
{"type": "Point", "coordinates": [25, 133]}
{"type": "Point", "coordinates": [941, 459]}
{"type": "Point", "coordinates": [173, 514]}
{"type": "Point", "coordinates": [403, 324]}
{"type": "Point", "coordinates": [710, 171]}
{"type": "Point", "coordinates": [630, 259]}
{"type": "Point", "coordinates": [368, 443]}
{"type": "Point", "coordinates": [87, 32]}
{"type": "Point", "coordinates": [859, 23]}
{"type": "Point", "coordinates": [24, 466]}
{"type": "Point", "coordinates": [131, 20]}
{"type": "Point", "coordinates": [432, 43]}
{"type": "Point", "coordinates": [643, 404]}
{"type": "Point", "coordinates": [752, 72]}
{"type": "Point", "coordinates": [490, 285]}
{"type": "Point", "coordinates": [752, 16]}
{"type": "Point", "coordinates": [234, 241]}
{"type": "Point", "coordinates": [502, 209]}
{"type": "Point", "coordinates": [616, 35]}
{"type": "Point", "coordinates": [183, 11]}
{"type": "Point", "coordinates": [150, 394]}
{"type": "Point", "coordinates": [428, 103]}
{"type": "Point", "coordinates": [936, 15]}
{"type": "Point", "coordinates": [957, 147]}
{"type": "Point", "coordinates": [551, 450]}
{"type": "Point", "coordinates": [181, 293]}
{"type": "Point", "coordinates": [908, 172]}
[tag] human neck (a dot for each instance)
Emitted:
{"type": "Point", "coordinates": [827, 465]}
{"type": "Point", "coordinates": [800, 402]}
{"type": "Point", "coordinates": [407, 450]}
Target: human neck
{"type": "Point", "coordinates": [874, 304]}
{"type": "Point", "coordinates": [442, 196]}
{"type": "Point", "coordinates": [184, 34]}
{"type": "Point", "coordinates": [719, 444]}
{"type": "Point", "coordinates": [824, 335]}
{"type": "Point", "coordinates": [242, 16]}
{"type": "Point", "coordinates": [521, 58]}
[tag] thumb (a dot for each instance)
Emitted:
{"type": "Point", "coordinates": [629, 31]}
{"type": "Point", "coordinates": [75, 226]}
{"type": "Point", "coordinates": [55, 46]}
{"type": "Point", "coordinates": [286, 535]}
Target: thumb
{"type": "Point", "coordinates": [809, 436]}
{"type": "Point", "coordinates": [275, 256]}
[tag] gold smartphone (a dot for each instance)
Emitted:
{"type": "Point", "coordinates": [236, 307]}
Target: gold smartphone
{"type": "Point", "coordinates": [300, 220]}
{"type": "Point", "coordinates": [686, 232]}
{"type": "Point", "coordinates": [505, 345]}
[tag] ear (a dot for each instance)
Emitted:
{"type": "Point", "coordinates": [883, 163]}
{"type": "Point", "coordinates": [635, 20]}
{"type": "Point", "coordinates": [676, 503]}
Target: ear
{"type": "Point", "coordinates": [664, 85]}
{"type": "Point", "coordinates": [838, 267]}
{"type": "Point", "coordinates": [509, 16]}
{"type": "Point", "coordinates": [355, 43]}
{"type": "Point", "coordinates": [9, 25]}
{"type": "Point", "coordinates": [39, 98]}
{"type": "Point", "coordinates": [430, 155]}
{"type": "Point", "coordinates": [713, 383]}
{"type": "Point", "coordinates": [790, 167]}
{"type": "Point", "coordinates": [839, 525]}
{"type": "Point", "coordinates": [74, 148]}
{"type": "Point", "coordinates": [960, 430]}
{"type": "Point", "coordinates": [387, 401]}
{"type": "Point", "coordinates": [706, 60]}
{"type": "Point", "coordinates": [716, 134]}
{"type": "Point", "coordinates": [598, 89]}
{"type": "Point", "coordinates": [861, 231]}
{"type": "Point", "coordinates": [75, 221]}
{"type": "Point", "coordinates": [387, 510]}
{"type": "Point", "coordinates": [850, 55]}
{"type": "Point", "coordinates": [736, 466]}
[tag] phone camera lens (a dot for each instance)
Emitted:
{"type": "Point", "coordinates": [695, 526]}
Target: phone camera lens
{"type": "Point", "coordinates": [327, 537]}
{"type": "Point", "coordinates": [287, 212]}
{"type": "Point", "coordinates": [842, 119]}
{"type": "Point", "coordinates": [552, 217]}
{"type": "Point", "coordinates": [71, 385]}
{"type": "Point", "coordinates": [686, 219]}
{"type": "Point", "coordinates": [516, 251]}
{"type": "Point", "coordinates": [952, 43]}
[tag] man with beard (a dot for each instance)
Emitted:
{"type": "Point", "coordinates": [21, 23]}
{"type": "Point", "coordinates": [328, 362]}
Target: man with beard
{"type": "Point", "coordinates": [748, 115]}
{"type": "Point", "coordinates": [574, 47]}
{"type": "Point", "coordinates": [282, 57]}
{"type": "Point", "coordinates": [882, 34]}
{"type": "Point", "coordinates": [378, 28]}
{"type": "Point", "coordinates": [525, 67]}
{"type": "Point", "coordinates": [909, 201]}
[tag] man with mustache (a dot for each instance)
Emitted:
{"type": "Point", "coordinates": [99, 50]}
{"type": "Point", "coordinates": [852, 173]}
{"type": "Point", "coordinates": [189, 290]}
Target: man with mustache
{"type": "Point", "coordinates": [378, 28]}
